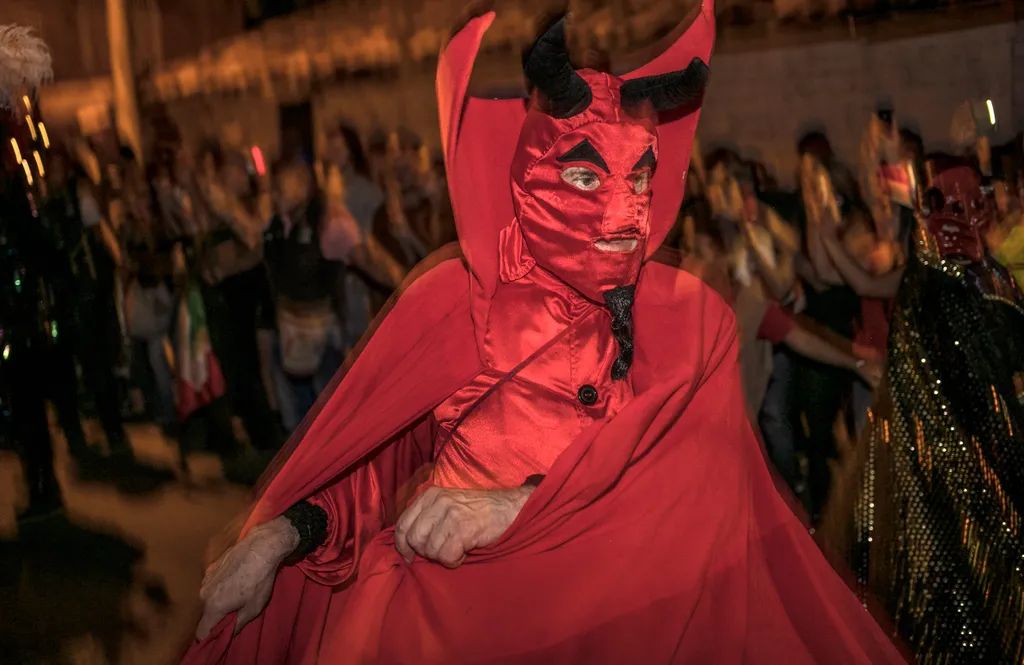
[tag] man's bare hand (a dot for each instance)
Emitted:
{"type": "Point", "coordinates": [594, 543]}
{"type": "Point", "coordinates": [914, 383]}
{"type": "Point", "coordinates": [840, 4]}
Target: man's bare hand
{"type": "Point", "coordinates": [243, 577]}
{"type": "Point", "coordinates": [443, 525]}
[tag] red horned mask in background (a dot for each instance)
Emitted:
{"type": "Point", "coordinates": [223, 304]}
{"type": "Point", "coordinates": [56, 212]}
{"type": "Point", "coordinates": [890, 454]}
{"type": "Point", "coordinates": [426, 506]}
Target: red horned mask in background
{"type": "Point", "coordinates": [582, 170]}
{"type": "Point", "coordinates": [957, 210]}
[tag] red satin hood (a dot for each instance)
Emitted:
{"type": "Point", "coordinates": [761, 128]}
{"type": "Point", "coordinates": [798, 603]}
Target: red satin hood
{"type": "Point", "coordinates": [562, 216]}
{"type": "Point", "coordinates": [481, 137]}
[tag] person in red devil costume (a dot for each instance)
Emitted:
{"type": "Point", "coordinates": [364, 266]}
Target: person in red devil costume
{"type": "Point", "coordinates": [541, 455]}
{"type": "Point", "coordinates": [938, 537]}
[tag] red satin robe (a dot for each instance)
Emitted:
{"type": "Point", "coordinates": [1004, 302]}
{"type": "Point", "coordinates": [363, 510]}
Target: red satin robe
{"type": "Point", "coordinates": [657, 536]}
{"type": "Point", "coordinates": [497, 439]}
{"type": "Point", "coordinates": [544, 348]}
{"type": "Point", "coordinates": [544, 344]}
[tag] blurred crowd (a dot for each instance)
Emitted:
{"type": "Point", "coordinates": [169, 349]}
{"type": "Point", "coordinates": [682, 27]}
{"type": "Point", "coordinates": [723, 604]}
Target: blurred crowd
{"type": "Point", "coordinates": [812, 274]}
{"type": "Point", "coordinates": [217, 294]}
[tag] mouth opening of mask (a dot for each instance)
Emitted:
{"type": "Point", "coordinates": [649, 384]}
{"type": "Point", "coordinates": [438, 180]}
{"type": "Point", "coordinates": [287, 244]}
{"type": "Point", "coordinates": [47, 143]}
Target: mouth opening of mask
{"type": "Point", "coordinates": [619, 242]}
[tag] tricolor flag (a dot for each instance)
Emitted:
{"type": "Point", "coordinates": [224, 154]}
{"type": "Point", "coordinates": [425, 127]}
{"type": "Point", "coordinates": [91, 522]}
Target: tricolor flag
{"type": "Point", "coordinates": [200, 380]}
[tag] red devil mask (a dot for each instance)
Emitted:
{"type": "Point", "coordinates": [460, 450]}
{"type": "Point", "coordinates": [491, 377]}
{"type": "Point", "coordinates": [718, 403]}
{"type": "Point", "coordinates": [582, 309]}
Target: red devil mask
{"type": "Point", "coordinates": [582, 171]}
{"type": "Point", "coordinates": [957, 211]}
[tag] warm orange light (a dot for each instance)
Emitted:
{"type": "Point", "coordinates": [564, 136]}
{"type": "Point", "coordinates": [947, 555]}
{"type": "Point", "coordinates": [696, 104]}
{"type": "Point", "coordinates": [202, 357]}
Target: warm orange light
{"type": "Point", "coordinates": [257, 160]}
{"type": "Point", "coordinates": [28, 103]}
{"type": "Point", "coordinates": [31, 127]}
{"type": "Point", "coordinates": [42, 133]}
{"type": "Point", "coordinates": [17, 150]}
{"type": "Point", "coordinates": [39, 163]}
{"type": "Point", "coordinates": [28, 172]}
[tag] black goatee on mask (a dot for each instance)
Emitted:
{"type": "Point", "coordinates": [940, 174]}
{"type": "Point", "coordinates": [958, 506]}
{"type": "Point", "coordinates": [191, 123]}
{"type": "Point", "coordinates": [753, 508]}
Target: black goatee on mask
{"type": "Point", "coordinates": [620, 303]}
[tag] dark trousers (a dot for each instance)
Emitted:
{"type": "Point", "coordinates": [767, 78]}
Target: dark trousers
{"type": "Point", "coordinates": [93, 340]}
{"type": "Point", "coordinates": [233, 309]}
{"type": "Point", "coordinates": [28, 383]}
{"type": "Point", "coordinates": [151, 372]}
{"type": "Point", "coordinates": [298, 395]}
{"type": "Point", "coordinates": [209, 428]}
{"type": "Point", "coordinates": [776, 418]}
{"type": "Point", "coordinates": [823, 392]}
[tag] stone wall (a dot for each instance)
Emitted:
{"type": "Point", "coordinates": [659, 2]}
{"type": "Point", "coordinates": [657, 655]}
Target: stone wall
{"type": "Point", "coordinates": [76, 30]}
{"type": "Point", "coordinates": [765, 91]}
{"type": "Point", "coordinates": [409, 101]}
{"type": "Point", "coordinates": [761, 102]}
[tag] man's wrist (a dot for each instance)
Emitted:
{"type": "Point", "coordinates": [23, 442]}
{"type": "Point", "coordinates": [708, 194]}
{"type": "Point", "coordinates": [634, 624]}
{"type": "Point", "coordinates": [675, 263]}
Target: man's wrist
{"type": "Point", "coordinates": [522, 495]}
{"type": "Point", "coordinates": [280, 536]}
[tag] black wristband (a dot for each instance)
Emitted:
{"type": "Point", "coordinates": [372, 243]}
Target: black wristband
{"type": "Point", "coordinates": [534, 481]}
{"type": "Point", "coordinates": [311, 523]}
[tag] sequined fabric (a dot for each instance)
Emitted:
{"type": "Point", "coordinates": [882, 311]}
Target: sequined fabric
{"type": "Point", "coordinates": [938, 520]}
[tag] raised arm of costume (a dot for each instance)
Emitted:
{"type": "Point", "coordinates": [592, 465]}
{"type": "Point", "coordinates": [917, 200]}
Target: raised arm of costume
{"type": "Point", "coordinates": [336, 524]}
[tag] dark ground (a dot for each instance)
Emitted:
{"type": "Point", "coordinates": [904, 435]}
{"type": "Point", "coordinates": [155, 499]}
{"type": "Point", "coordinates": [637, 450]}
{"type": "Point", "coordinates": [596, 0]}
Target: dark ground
{"type": "Point", "coordinates": [115, 582]}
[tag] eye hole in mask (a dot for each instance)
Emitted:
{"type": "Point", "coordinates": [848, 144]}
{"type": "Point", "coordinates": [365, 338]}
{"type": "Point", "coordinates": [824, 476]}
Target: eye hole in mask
{"type": "Point", "coordinates": [934, 199]}
{"type": "Point", "coordinates": [581, 178]}
{"type": "Point", "coordinates": [640, 182]}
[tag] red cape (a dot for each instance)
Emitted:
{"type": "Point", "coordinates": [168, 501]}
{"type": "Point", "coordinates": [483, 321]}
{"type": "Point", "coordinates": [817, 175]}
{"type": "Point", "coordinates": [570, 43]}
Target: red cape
{"type": "Point", "coordinates": [656, 537]}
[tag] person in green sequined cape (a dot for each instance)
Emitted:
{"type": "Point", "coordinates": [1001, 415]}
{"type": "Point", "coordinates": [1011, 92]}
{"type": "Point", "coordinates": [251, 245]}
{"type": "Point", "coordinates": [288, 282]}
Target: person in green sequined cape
{"type": "Point", "coordinates": [938, 533]}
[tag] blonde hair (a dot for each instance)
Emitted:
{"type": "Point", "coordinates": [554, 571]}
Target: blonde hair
{"type": "Point", "coordinates": [25, 63]}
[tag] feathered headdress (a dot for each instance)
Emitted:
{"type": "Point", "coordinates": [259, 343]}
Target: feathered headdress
{"type": "Point", "coordinates": [24, 62]}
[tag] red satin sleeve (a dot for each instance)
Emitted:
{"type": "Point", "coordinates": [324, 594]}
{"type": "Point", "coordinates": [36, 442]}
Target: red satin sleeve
{"type": "Point", "coordinates": [368, 500]}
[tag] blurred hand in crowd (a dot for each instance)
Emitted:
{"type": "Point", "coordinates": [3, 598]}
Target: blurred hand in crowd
{"type": "Point", "coordinates": [871, 372]}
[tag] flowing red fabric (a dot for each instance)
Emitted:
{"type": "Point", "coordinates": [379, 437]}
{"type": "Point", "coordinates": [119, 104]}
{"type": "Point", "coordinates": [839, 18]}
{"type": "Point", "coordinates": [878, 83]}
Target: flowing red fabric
{"type": "Point", "coordinates": [656, 537]}
{"type": "Point", "coordinates": [480, 137]}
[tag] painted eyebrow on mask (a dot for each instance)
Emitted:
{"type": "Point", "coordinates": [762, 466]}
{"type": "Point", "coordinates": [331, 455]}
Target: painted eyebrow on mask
{"type": "Point", "coordinates": [584, 152]}
{"type": "Point", "coordinates": [647, 161]}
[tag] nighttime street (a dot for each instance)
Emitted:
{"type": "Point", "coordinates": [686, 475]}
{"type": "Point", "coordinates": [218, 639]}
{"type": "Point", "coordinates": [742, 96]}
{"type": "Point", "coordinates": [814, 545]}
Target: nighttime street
{"type": "Point", "coordinates": [117, 584]}
{"type": "Point", "coordinates": [546, 332]}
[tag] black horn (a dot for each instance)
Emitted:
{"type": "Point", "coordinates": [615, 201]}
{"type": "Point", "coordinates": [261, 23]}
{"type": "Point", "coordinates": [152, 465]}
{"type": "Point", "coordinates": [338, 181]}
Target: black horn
{"type": "Point", "coordinates": [548, 69]}
{"type": "Point", "coordinates": [666, 92]}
